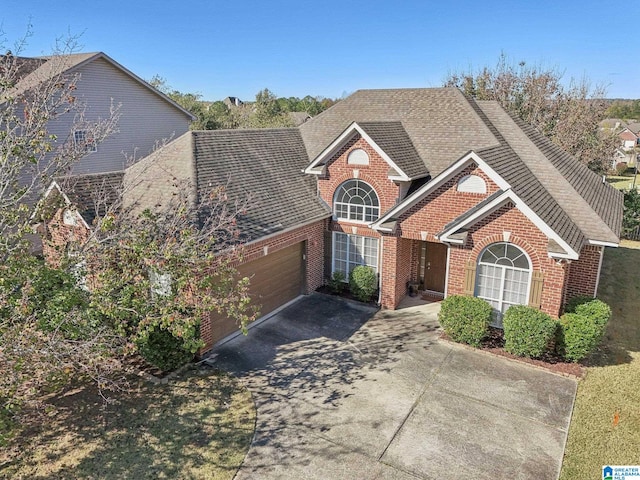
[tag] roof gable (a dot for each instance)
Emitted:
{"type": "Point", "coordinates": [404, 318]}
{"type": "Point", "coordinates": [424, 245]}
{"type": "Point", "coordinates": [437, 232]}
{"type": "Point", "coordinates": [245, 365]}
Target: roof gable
{"type": "Point", "coordinates": [386, 223]}
{"type": "Point", "coordinates": [388, 139]}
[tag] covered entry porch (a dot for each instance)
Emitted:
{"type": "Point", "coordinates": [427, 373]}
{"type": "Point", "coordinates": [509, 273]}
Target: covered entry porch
{"type": "Point", "coordinates": [412, 266]}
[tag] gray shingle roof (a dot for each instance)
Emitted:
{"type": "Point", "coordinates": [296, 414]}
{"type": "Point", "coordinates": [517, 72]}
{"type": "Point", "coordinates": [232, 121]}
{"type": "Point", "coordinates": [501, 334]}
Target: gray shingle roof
{"type": "Point", "coordinates": [266, 164]}
{"type": "Point", "coordinates": [392, 138]}
{"type": "Point", "coordinates": [92, 194]}
{"type": "Point", "coordinates": [591, 204]}
{"type": "Point", "coordinates": [439, 121]}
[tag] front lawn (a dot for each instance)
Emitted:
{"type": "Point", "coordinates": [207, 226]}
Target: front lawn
{"type": "Point", "coordinates": [605, 427]}
{"type": "Point", "coordinates": [198, 426]}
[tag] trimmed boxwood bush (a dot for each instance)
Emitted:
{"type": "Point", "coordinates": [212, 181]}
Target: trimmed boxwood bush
{"type": "Point", "coordinates": [574, 302]}
{"type": "Point", "coordinates": [581, 332]}
{"type": "Point", "coordinates": [528, 332]}
{"type": "Point", "coordinates": [465, 319]}
{"type": "Point", "coordinates": [363, 283]}
{"type": "Point", "coordinates": [595, 309]}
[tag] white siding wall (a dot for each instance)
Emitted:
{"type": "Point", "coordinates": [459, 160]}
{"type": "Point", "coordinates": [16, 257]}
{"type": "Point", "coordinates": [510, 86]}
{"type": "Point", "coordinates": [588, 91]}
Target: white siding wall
{"type": "Point", "coordinates": [145, 118]}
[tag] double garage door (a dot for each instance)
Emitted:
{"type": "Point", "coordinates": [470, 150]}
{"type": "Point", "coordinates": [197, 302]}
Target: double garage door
{"type": "Point", "coordinates": [276, 279]}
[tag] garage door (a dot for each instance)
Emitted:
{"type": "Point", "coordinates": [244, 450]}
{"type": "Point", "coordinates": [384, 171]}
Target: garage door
{"type": "Point", "coordinates": [275, 279]}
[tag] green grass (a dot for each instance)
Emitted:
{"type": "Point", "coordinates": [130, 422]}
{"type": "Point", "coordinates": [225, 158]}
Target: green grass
{"type": "Point", "coordinates": [622, 182]}
{"type": "Point", "coordinates": [605, 427]}
{"type": "Point", "coordinates": [198, 426]}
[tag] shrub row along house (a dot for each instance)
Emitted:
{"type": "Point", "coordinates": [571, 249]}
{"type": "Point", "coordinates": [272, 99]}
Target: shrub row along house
{"type": "Point", "coordinates": [425, 186]}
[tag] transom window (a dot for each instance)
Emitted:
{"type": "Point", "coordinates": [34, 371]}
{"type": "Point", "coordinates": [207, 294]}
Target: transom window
{"type": "Point", "coordinates": [349, 251]}
{"type": "Point", "coordinates": [357, 201]}
{"type": "Point", "coordinates": [503, 278]}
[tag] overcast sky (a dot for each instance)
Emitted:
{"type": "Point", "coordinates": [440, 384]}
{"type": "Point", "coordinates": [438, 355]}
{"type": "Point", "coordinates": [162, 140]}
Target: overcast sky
{"type": "Point", "coordinates": [330, 48]}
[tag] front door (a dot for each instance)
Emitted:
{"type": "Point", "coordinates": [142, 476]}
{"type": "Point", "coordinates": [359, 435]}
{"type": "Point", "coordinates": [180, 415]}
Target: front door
{"type": "Point", "coordinates": [433, 266]}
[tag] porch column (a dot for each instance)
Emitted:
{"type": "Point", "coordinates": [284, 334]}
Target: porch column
{"type": "Point", "coordinates": [388, 275]}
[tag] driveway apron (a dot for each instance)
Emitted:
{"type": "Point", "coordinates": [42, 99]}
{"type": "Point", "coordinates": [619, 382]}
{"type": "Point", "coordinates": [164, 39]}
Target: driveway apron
{"type": "Point", "coordinates": [345, 392]}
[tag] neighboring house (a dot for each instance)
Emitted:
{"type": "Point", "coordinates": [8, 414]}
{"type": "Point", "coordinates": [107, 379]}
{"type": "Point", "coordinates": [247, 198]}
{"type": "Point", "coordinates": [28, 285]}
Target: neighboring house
{"type": "Point", "coordinates": [298, 118]}
{"type": "Point", "coordinates": [146, 116]}
{"type": "Point", "coordinates": [629, 138]}
{"type": "Point", "coordinates": [423, 185]}
{"type": "Point", "coordinates": [233, 102]}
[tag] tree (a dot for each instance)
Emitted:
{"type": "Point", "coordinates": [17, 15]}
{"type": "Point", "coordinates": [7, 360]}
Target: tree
{"type": "Point", "coordinates": [141, 282]}
{"type": "Point", "coordinates": [568, 115]}
{"type": "Point", "coordinates": [29, 155]}
{"type": "Point", "coordinates": [631, 212]}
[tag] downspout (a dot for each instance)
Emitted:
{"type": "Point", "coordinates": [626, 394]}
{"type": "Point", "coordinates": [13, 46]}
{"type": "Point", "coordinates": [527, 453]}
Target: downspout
{"type": "Point", "coordinates": [446, 271]}
{"type": "Point", "coordinates": [380, 262]}
{"type": "Point", "coordinates": [595, 292]}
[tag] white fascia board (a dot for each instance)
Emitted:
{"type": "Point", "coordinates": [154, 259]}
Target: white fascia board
{"type": "Point", "coordinates": [601, 243]}
{"type": "Point", "coordinates": [428, 187]}
{"type": "Point", "coordinates": [335, 146]}
{"type": "Point", "coordinates": [526, 210]}
{"type": "Point", "coordinates": [46, 194]}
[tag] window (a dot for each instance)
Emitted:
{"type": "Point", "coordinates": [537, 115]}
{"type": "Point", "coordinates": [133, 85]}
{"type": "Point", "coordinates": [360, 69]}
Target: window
{"type": "Point", "coordinates": [83, 140]}
{"type": "Point", "coordinates": [357, 201]}
{"type": "Point", "coordinates": [503, 278]}
{"type": "Point", "coordinates": [349, 251]}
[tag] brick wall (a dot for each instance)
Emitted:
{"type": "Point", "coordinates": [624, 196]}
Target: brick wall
{"type": "Point", "coordinates": [583, 273]}
{"type": "Point", "coordinates": [508, 223]}
{"type": "Point", "coordinates": [441, 206]}
{"type": "Point", "coordinates": [57, 235]}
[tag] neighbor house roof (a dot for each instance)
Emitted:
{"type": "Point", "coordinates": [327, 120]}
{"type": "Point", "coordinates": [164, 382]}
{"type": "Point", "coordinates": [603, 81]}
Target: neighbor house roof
{"type": "Point", "coordinates": [37, 70]}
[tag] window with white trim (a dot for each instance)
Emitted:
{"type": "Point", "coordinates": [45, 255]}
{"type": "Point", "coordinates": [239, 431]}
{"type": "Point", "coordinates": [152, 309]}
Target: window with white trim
{"type": "Point", "coordinates": [349, 251]}
{"type": "Point", "coordinates": [85, 141]}
{"type": "Point", "coordinates": [356, 201]}
{"type": "Point", "coordinates": [503, 278]}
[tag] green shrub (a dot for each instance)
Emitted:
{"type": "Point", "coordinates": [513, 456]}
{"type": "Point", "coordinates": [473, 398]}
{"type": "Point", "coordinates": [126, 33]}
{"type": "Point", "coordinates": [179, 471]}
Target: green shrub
{"type": "Point", "coordinates": [363, 283]}
{"type": "Point", "coordinates": [581, 332]}
{"type": "Point", "coordinates": [574, 302]}
{"type": "Point", "coordinates": [161, 349]}
{"type": "Point", "coordinates": [595, 309]}
{"type": "Point", "coordinates": [528, 332]}
{"type": "Point", "coordinates": [465, 319]}
{"type": "Point", "coordinates": [337, 283]}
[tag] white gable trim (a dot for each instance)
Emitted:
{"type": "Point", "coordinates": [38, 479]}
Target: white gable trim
{"type": "Point", "coordinates": [603, 244]}
{"type": "Point", "coordinates": [430, 186]}
{"type": "Point", "coordinates": [509, 195]}
{"type": "Point", "coordinates": [339, 142]}
{"type": "Point", "coordinates": [67, 201]}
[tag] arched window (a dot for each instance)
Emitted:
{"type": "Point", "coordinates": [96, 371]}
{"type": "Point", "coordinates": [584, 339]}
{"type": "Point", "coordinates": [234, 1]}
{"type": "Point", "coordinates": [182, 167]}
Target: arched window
{"type": "Point", "coordinates": [357, 201]}
{"type": "Point", "coordinates": [503, 278]}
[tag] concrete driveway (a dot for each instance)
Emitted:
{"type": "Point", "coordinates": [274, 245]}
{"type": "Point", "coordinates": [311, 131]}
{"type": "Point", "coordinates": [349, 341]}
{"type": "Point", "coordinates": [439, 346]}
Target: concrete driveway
{"type": "Point", "coordinates": [343, 392]}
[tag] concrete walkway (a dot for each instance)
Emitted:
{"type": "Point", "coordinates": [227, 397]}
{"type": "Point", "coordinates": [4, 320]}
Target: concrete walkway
{"type": "Point", "coordinates": [343, 392]}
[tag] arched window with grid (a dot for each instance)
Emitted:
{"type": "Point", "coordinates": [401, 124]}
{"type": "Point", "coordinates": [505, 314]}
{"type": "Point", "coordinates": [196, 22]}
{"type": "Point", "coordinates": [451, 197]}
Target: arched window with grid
{"type": "Point", "coordinates": [503, 278]}
{"type": "Point", "coordinates": [356, 201]}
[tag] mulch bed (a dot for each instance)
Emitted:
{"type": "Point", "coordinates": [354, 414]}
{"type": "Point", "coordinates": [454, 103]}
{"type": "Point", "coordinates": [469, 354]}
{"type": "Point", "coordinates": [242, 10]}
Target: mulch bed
{"type": "Point", "coordinates": [494, 343]}
{"type": "Point", "coordinates": [345, 294]}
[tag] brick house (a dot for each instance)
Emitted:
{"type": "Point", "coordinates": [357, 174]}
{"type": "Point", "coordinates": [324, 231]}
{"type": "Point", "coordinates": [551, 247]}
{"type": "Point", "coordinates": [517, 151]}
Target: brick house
{"type": "Point", "coordinates": [425, 186]}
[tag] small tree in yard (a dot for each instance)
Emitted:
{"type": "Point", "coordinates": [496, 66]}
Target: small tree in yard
{"type": "Point", "coordinates": [151, 276]}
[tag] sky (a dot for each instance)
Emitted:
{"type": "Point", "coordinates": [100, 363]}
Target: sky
{"type": "Point", "coordinates": [331, 48]}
